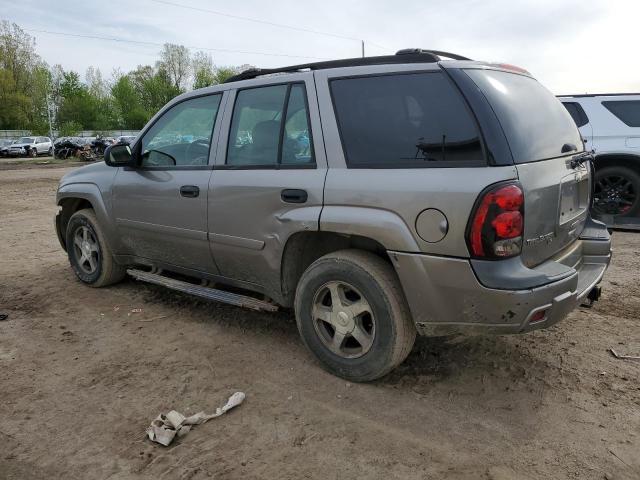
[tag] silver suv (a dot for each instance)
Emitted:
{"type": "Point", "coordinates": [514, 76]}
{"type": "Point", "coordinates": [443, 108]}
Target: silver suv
{"type": "Point", "coordinates": [377, 197]}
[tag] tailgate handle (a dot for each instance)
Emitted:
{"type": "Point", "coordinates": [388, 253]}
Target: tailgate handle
{"type": "Point", "coordinates": [293, 195]}
{"type": "Point", "coordinates": [189, 191]}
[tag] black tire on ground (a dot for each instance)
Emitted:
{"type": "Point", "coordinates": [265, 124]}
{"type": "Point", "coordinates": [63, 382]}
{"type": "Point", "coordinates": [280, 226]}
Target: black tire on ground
{"type": "Point", "coordinates": [85, 238]}
{"type": "Point", "coordinates": [50, 151]}
{"type": "Point", "coordinates": [625, 202]}
{"type": "Point", "coordinates": [359, 275]}
{"type": "Point", "coordinates": [33, 153]}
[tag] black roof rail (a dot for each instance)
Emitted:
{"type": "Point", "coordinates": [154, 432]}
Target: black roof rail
{"type": "Point", "coordinates": [584, 95]}
{"type": "Point", "coordinates": [438, 53]}
{"type": "Point", "coordinates": [409, 55]}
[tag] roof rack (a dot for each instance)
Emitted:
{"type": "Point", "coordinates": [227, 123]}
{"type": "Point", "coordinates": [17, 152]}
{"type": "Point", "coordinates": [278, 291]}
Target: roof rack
{"type": "Point", "coordinates": [407, 55]}
{"type": "Point", "coordinates": [583, 95]}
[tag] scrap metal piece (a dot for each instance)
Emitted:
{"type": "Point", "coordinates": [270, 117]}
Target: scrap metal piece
{"type": "Point", "coordinates": [623, 357]}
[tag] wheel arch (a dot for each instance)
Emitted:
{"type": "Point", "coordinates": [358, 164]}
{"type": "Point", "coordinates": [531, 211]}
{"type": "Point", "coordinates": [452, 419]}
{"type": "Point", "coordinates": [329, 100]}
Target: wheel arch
{"type": "Point", "coordinates": [303, 248]}
{"type": "Point", "coordinates": [74, 197]}
{"type": "Point", "coordinates": [630, 160]}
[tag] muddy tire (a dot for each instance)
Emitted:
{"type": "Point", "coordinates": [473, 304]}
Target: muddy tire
{"type": "Point", "coordinates": [352, 315]}
{"type": "Point", "coordinates": [89, 253]}
{"type": "Point", "coordinates": [617, 192]}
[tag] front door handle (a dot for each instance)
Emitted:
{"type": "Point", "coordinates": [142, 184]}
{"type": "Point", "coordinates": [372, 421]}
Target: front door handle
{"type": "Point", "coordinates": [293, 195]}
{"type": "Point", "coordinates": [189, 191]}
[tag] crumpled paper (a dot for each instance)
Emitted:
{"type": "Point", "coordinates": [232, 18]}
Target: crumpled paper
{"type": "Point", "coordinates": [166, 427]}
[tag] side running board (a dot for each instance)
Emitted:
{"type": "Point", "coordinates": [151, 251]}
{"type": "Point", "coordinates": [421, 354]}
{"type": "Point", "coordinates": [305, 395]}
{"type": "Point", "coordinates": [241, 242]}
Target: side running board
{"type": "Point", "coordinates": [204, 292]}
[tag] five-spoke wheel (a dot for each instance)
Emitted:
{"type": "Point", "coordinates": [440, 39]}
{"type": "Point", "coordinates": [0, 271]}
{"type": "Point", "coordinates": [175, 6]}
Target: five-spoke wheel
{"type": "Point", "coordinates": [353, 316]}
{"type": "Point", "coordinates": [86, 249]}
{"type": "Point", "coordinates": [343, 319]}
{"type": "Point", "coordinates": [89, 252]}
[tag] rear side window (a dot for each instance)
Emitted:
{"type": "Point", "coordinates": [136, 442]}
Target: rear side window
{"type": "Point", "coordinates": [577, 113]}
{"type": "Point", "coordinates": [535, 123]}
{"type": "Point", "coordinates": [404, 121]}
{"type": "Point", "coordinates": [626, 110]}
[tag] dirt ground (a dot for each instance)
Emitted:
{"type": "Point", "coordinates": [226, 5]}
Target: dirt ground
{"type": "Point", "coordinates": [81, 377]}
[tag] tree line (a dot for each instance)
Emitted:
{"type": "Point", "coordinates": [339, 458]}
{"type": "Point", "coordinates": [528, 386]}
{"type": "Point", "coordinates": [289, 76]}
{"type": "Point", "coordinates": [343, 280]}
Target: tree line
{"type": "Point", "coordinates": [32, 93]}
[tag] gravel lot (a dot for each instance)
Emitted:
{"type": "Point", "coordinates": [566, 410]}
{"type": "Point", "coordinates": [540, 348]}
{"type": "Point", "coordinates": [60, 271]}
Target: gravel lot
{"type": "Point", "coordinates": [81, 377]}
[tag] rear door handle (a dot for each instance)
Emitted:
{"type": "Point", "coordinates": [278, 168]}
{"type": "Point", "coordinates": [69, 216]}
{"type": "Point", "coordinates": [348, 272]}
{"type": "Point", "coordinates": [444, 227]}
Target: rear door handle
{"type": "Point", "coordinates": [189, 191]}
{"type": "Point", "coordinates": [293, 195]}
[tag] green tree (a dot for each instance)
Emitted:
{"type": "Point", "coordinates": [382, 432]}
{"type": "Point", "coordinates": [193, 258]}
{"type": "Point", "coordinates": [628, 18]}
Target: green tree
{"type": "Point", "coordinates": [176, 63]}
{"type": "Point", "coordinates": [70, 129]}
{"type": "Point", "coordinates": [131, 113]}
{"type": "Point", "coordinates": [24, 81]}
{"type": "Point", "coordinates": [15, 105]}
{"type": "Point", "coordinates": [203, 71]}
{"type": "Point", "coordinates": [222, 74]}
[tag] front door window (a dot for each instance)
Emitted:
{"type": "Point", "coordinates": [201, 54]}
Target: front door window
{"type": "Point", "coordinates": [182, 136]}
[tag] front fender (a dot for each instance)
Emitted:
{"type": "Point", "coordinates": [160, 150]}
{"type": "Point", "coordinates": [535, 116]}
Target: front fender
{"type": "Point", "coordinates": [92, 194]}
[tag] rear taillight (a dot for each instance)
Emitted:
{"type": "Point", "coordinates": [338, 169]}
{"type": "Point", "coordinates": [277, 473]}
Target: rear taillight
{"type": "Point", "coordinates": [497, 223]}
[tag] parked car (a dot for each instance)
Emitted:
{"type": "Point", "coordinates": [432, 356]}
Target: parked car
{"type": "Point", "coordinates": [31, 146]}
{"type": "Point", "coordinates": [125, 139]}
{"type": "Point", "coordinates": [5, 144]}
{"type": "Point", "coordinates": [431, 196]}
{"type": "Point", "coordinates": [610, 124]}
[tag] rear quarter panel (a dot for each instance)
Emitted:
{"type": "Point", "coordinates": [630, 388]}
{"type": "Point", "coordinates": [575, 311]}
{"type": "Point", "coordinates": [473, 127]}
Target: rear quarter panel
{"type": "Point", "coordinates": [383, 204]}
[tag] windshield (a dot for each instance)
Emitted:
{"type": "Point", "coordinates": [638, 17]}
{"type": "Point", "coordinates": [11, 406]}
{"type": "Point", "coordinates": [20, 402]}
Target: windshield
{"type": "Point", "coordinates": [534, 121]}
{"type": "Point", "coordinates": [25, 140]}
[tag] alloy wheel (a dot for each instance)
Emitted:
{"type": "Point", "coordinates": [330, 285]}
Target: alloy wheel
{"type": "Point", "coordinates": [343, 319]}
{"type": "Point", "coordinates": [614, 195]}
{"type": "Point", "coordinates": [86, 249]}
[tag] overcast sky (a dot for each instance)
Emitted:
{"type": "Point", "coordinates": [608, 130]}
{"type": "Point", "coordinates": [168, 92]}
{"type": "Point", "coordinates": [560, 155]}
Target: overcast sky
{"type": "Point", "coordinates": [572, 46]}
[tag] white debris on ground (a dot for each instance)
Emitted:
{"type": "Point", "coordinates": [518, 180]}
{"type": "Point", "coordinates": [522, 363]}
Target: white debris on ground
{"type": "Point", "coordinates": [166, 427]}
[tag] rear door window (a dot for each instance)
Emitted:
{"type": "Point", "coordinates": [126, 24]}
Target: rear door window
{"type": "Point", "coordinates": [259, 138]}
{"type": "Point", "coordinates": [535, 123]}
{"type": "Point", "coordinates": [626, 110]}
{"type": "Point", "coordinates": [404, 121]}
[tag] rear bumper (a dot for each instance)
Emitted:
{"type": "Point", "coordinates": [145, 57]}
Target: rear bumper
{"type": "Point", "coordinates": [448, 295]}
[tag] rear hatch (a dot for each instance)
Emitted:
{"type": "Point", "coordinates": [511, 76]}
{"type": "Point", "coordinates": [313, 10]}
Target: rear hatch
{"type": "Point", "coordinates": [543, 140]}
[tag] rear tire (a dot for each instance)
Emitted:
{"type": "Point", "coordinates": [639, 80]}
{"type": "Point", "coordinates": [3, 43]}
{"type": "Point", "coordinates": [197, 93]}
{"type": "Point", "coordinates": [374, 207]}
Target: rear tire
{"type": "Point", "coordinates": [89, 252]}
{"type": "Point", "coordinates": [617, 192]}
{"type": "Point", "coordinates": [352, 315]}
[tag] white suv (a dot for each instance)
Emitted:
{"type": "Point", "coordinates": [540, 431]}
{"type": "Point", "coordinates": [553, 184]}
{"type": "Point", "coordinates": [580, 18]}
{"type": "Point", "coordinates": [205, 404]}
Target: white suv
{"type": "Point", "coordinates": [610, 124]}
{"type": "Point", "coordinates": [31, 146]}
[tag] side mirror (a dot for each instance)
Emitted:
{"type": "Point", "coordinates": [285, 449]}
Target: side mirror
{"type": "Point", "coordinates": [118, 155]}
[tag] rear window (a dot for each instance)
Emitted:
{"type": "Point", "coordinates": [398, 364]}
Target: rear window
{"type": "Point", "coordinates": [577, 113]}
{"type": "Point", "coordinates": [535, 123]}
{"type": "Point", "coordinates": [404, 121]}
{"type": "Point", "coordinates": [626, 110]}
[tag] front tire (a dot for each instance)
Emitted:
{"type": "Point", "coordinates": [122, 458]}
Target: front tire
{"type": "Point", "coordinates": [352, 315]}
{"type": "Point", "coordinates": [33, 153]}
{"type": "Point", "coordinates": [89, 253]}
